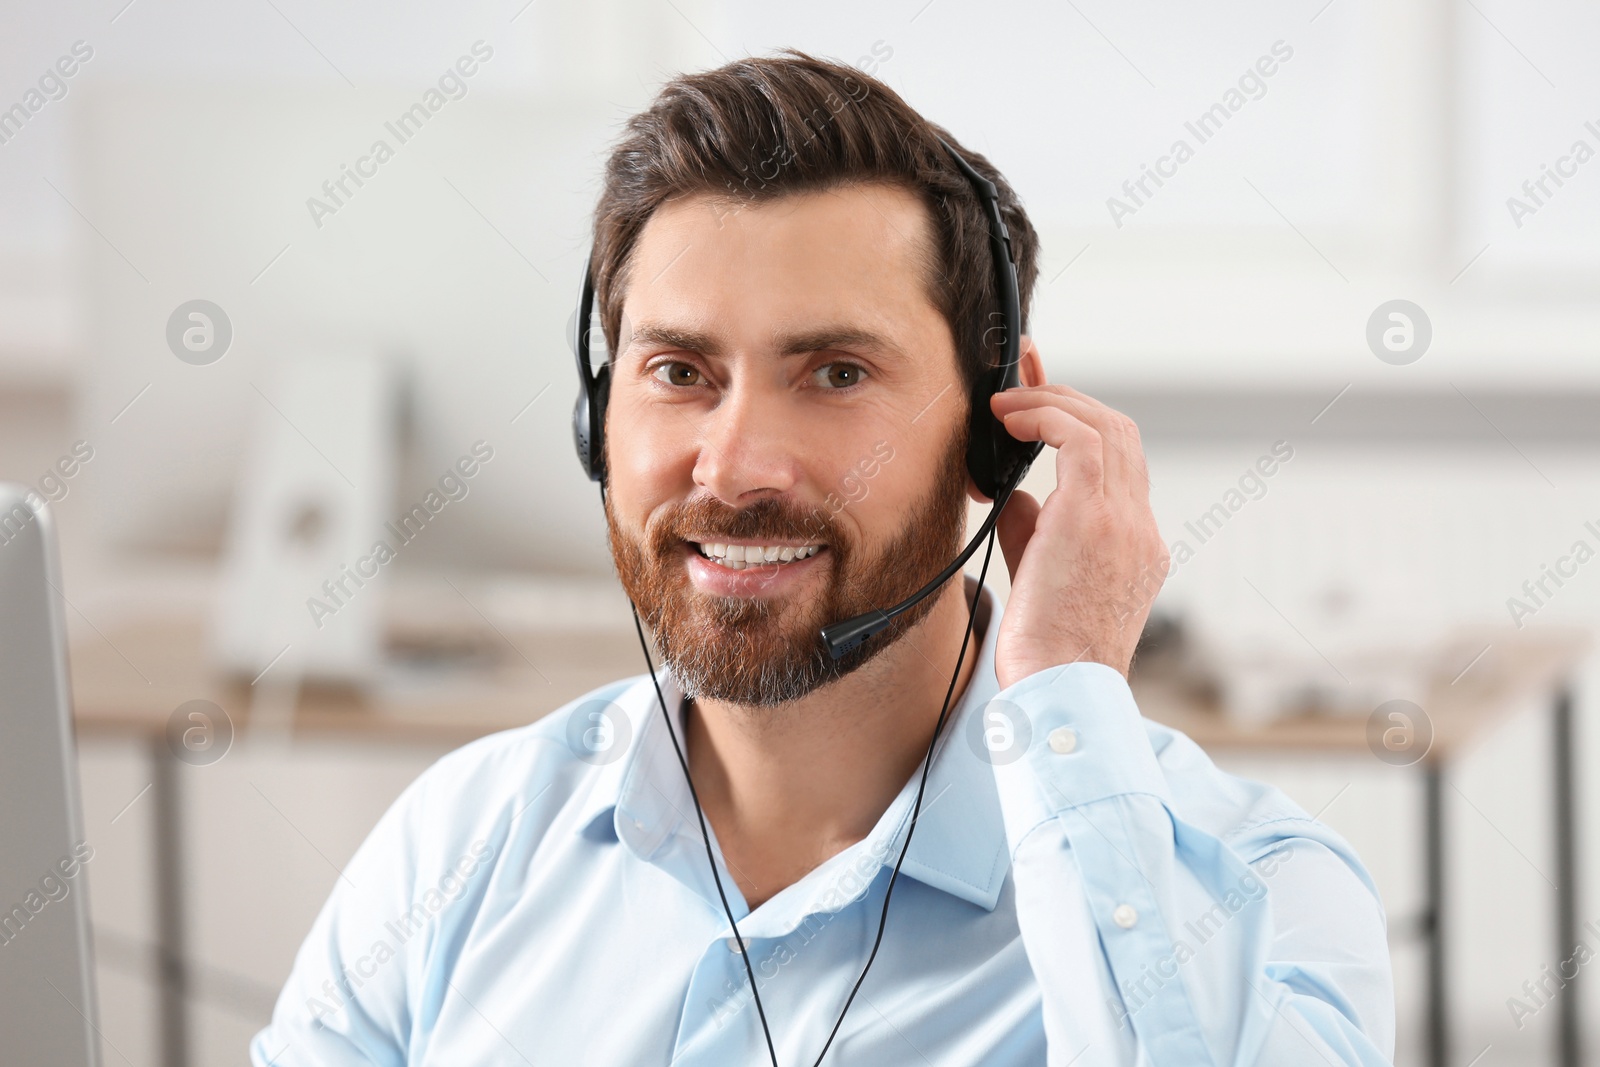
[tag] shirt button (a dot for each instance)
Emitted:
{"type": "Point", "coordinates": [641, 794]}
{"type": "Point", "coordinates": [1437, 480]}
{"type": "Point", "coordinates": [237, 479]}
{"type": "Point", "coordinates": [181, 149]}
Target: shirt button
{"type": "Point", "coordinates": [733, 944]}
{"type": "Point", "coordinates": [638, 825]}
{"type": "Point", "coordinates": [1125, 916]}
{"type": "Point", "coordinates": [1063, 739]}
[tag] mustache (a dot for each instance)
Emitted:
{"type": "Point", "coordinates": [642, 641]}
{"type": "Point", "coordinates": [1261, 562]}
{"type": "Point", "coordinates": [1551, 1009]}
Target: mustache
{"type": "Point", "coordinates": [771, 519]}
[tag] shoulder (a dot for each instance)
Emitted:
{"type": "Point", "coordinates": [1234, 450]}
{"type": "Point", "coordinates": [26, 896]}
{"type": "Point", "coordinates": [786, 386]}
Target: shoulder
{"type": "Point", "coordinates": [504, 760]}
{"type": "Point", "coordinates": [512, 784]}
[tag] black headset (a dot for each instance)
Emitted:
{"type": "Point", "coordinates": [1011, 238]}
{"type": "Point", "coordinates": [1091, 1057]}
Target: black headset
{"type": "Point", "coordinates": [996, 460]}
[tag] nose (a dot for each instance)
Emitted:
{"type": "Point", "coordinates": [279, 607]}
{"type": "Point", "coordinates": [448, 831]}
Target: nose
{"type": "Point", "coordinates": [748, 446]}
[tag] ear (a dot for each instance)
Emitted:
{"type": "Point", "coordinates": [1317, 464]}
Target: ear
{"type": "Point", "coordinates": [1032, 368]}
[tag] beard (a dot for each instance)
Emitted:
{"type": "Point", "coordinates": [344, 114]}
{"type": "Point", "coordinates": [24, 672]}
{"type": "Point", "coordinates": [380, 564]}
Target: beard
{"type": "Point", "coordinates": [762, 651]}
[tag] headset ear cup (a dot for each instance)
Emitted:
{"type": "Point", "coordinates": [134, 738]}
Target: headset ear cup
{"type": "Point", "coordinates": [580, 432]}
{"type": "Point", "coordinates": [583, 437]}
{"type": "Point", "coordinates": [588, 414]}
{"type": "Point", "coordinates": [982, 441]}
{"type": "Point", "coordinates": [589, 424]}
{"type": "Point", "coordinates": [995, 458]}
{"type": "Point", "coordinates": [597, 433]}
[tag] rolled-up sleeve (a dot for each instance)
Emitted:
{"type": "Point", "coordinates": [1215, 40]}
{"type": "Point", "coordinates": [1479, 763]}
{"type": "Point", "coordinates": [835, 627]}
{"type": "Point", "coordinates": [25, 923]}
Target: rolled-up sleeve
{"type": "Point", "coordinates": [1234, 928]}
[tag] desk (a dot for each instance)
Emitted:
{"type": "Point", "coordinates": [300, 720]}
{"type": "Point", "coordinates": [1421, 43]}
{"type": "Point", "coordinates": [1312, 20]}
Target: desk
{"type": "Point", "coordinates": [536, 673]}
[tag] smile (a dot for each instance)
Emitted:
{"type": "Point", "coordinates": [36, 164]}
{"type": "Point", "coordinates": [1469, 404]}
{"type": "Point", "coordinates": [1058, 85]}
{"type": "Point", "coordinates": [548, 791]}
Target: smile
{"type": "Point", "coordinates": [738, 557]}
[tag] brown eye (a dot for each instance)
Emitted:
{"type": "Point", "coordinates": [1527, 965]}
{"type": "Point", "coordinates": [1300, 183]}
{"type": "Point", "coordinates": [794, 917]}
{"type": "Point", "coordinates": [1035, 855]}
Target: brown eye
{"type": "Point", "coordinates": [677, 373]}
{"type": "Point", "coordinates": [842, 375]}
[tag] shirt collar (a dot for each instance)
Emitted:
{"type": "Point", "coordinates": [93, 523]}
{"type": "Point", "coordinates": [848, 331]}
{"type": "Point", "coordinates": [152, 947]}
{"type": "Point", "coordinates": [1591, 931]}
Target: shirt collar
{"type": "Point", "coordinates": [959, 845]}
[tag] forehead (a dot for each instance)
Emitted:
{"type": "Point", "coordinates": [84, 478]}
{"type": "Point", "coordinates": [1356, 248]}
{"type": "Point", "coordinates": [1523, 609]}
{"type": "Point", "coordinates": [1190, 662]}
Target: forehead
{"type": "Point", "coordinates": [858, 250]}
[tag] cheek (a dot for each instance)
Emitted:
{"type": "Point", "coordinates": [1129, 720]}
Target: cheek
{"type": "Point", "coordinates": [631, 500]}
{"type": "Point", "coordinates": [900, 490]}
{"type": "Point", "coordinates": [646, 461]}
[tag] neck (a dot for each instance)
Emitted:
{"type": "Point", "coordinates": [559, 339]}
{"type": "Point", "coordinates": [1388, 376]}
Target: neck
{"type": "Point", "coordinates": [786, 788]}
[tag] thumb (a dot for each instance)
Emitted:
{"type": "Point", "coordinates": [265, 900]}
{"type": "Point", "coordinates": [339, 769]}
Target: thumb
{"type": "Point", "coordinates": [1015, 527]}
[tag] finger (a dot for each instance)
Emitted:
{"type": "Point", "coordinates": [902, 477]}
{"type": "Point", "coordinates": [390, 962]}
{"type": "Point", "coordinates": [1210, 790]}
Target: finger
{"type": "Point", "coordinates": [1098, 409]}
{"type": "Point", "coordinates": [1125, 438]}
{"type": "Point", "coordinates": [1130, 477]}
{"type": "Point", "coordinates": [1015, 527]}
{"type": "Point", "coordinates": [1128, 474]}
{"type": "Point", "coordinates": [1080, 450]}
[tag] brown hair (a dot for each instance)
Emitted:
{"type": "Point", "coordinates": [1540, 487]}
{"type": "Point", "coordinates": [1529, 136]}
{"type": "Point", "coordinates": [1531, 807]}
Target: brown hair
{"type": "Point", "coordinates": [761, 128]}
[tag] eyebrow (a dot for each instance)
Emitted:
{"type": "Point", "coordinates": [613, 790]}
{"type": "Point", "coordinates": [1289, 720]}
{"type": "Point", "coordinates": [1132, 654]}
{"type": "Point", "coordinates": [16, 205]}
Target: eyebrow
{"type": "Point", "coordinates": [794, 344]}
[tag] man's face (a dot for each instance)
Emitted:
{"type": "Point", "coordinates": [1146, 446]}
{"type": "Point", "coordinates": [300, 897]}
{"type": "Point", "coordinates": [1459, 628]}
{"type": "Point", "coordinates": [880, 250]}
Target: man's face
{"type": "Point", "coordinates": [782, 380]}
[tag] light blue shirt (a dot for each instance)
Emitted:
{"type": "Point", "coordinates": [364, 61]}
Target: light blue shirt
{"type": "Point", "coordinates": [1084, 887]}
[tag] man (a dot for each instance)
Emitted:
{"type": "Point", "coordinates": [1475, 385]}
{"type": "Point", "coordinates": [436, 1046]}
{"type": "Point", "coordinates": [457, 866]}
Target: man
{"type": "Point", "coordinates": [795, 283]}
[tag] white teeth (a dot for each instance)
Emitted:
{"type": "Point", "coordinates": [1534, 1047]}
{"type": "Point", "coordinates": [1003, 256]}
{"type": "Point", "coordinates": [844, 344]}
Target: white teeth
{"type": "Point", "coordinates": [737, 557]}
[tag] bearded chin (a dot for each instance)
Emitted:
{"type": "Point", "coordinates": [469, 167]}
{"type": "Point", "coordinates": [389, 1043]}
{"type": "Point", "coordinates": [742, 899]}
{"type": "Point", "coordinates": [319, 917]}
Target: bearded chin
{"type": "Point", "coordinates": [731, 672]}
{"type": "Point", "coordinates": [749, 651]}
{"type": "Point", "coordinates": [765, 651]}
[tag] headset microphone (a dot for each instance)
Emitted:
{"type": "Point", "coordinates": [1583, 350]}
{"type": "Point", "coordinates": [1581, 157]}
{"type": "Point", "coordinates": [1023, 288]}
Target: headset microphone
{"type": "Point", "coordinates": [996, 460]}
{"type": "Point", "coordinates": [841, 637]}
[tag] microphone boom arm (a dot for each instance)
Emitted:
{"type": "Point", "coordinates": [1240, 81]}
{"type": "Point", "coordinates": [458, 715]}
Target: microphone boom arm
{"type": "Point", "coordinates": [842, 637]}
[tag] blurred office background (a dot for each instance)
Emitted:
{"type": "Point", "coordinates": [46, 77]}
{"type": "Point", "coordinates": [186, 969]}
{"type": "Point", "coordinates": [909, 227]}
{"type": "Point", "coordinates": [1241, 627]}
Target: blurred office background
{"type": "Point", "coordinates": [349, 356]}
